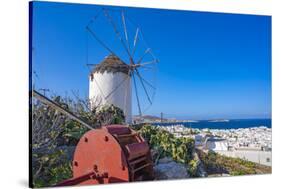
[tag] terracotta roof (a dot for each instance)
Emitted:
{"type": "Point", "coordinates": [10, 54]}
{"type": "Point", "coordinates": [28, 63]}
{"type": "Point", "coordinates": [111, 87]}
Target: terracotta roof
{"type": "Point", "coordinates": [113, 64]}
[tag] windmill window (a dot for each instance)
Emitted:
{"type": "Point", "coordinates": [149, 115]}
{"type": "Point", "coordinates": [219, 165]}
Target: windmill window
{"type": "Point", "coordinates": [92, 77]}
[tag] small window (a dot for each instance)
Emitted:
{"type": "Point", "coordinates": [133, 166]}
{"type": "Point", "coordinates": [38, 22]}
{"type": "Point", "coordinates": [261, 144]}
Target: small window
{"type": "Point", "coordinates": [267, 159]}
{"type": "Point", "coordinates": [92, 77]}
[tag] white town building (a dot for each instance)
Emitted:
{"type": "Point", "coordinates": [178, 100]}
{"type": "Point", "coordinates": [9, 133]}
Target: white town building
{"type": "Point", "coordinates": [216, 144]}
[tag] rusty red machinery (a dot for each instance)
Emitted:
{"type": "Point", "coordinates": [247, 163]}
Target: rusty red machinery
{"type": "Point", "coordinates": [114, 153]}
{"type": "Point", "coordinates": [110, 154]}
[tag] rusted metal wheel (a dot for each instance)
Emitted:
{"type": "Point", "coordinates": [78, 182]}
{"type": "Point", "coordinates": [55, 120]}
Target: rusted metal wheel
{"type": "Point", "coordinates": [114, 153]}
{"type": "Point", "coordinates": [99, 152]}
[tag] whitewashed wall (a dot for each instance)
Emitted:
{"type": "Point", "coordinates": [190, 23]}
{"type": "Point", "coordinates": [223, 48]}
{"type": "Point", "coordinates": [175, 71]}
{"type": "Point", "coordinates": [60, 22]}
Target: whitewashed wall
{"type": "Point", "coordinates": [103, 84]}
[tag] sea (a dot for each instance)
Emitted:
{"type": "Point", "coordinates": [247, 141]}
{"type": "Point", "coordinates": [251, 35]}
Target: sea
{"type": "Point", "coordinates": [223, 124]}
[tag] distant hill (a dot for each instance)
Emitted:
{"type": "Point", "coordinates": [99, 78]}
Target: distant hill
{"type": "Point", "coordinates": [148, 118]}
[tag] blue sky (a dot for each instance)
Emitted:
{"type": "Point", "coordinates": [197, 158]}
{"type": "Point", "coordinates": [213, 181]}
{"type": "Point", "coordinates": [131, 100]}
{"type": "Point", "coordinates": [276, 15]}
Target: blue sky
{"type": "Point", "coordinates": [212, 65]}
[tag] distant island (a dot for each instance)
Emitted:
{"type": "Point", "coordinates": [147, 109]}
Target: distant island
{"type": "Point", "coordinates": [219, 120]}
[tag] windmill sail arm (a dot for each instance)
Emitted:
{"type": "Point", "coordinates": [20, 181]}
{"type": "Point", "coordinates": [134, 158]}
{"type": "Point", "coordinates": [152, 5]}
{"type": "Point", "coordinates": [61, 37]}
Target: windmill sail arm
{"type": "Point", "coordinates": [146, 51]}
{"type": "Point", "coordinates": [95, 17]}
{"type": "Point", "coordinates": [148, 83]}
{"type": "Point", "coordinates": [100, 41]}
{"type": "Point", "coordinates": [135, 41]}
{"type": "Point", "coordinates": [137, 96]}
{"type": "Point", "coordinates": [125, 30]}
{"type": "Point", "coordinates": [141, 80]}
{"type": "Point", "coordinates": [146, 63]}
{"type": "Point", "coordinates": [117, 32]}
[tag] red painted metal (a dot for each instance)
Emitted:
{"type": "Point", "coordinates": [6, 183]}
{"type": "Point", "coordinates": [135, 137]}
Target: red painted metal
{"type": "Point", "coordinates": [136, 150]}
{"type": "Point", "coordinates": [114, 153]}
{"type": "Point", "coordinates": [78, 180]}
{"type": "Point", "coordinates": [117, 129]}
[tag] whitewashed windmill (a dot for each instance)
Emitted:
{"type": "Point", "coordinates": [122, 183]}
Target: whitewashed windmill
{"type": "Point", "coordinates": [129, 62]}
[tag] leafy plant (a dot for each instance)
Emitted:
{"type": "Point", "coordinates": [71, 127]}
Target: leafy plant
{"type": "Point", "coordinates": [193, 166]}
{"type": "Point", "coordinates": [216, 163]}
{"type": "Point", "coordinates": [180, 149]}
{"type": "Point", "coordinates": [109, 114]}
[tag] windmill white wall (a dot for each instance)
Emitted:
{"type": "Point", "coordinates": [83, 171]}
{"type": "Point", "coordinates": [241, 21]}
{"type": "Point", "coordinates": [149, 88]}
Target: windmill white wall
{"type": "Point", "coordinates": [112, 88]}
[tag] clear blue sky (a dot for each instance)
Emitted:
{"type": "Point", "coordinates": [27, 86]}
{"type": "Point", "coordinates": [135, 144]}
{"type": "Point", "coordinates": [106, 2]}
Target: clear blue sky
{"type": "Point", "coordinates": [212, 65]}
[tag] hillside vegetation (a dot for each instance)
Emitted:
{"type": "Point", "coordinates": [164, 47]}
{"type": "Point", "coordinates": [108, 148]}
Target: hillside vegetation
{"type": "Point", "coordinates": [218, 164]}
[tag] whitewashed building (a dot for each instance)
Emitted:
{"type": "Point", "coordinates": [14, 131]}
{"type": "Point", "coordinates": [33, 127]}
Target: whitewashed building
{"type": "Point", "coordinates": [216, 144]}
{"type": "Point", "coordinates": [110, 83]}
{"type": "Point", "coordinates": [199, 139]}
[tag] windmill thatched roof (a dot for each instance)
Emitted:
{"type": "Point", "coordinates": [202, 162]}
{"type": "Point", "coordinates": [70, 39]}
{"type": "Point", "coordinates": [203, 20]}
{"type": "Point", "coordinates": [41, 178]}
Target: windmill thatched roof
{"type": "Point", "coordinates": [113, 64]}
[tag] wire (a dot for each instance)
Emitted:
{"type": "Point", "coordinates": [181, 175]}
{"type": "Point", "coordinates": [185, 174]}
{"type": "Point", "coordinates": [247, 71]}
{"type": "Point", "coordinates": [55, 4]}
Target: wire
{"type": "Point", "coordinates": [117, 86]}
{"type": "Point", "coordinates": [136, 92]}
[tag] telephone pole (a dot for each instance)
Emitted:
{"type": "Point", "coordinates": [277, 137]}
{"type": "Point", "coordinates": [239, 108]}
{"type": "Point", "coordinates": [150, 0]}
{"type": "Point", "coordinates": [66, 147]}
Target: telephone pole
{"type": "Point", "coordinates": [44, 90]}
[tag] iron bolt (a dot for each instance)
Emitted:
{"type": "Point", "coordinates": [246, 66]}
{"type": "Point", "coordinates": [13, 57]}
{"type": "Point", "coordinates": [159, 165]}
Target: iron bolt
{"type": "Point", "coordinates": [106, 138]}
{"type": "Point", "coordinates": [95, 168]}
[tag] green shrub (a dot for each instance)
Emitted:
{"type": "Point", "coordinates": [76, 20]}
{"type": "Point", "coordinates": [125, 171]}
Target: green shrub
{"type": "Point", "coordinates": [109, 114]}
{"type": "Point", "coordinates": [180, 149]}
{"type": "Point", "coordinates": [216, 163]}
{"type": "Point", "coordinates": [193, 166]}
